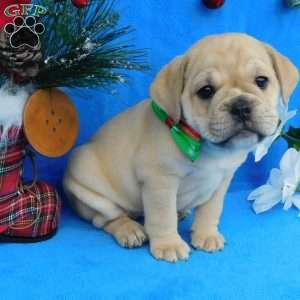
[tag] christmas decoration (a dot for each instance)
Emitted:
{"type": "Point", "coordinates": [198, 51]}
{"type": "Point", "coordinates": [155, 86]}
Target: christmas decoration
{"type": "Point", "coordinates": [23, 62]}
{"type": "Point", "coordinates": [293, 3]}
{"type": "Point", "coordinates": [20, 60]}
{"type": "Point", "coordinates": [80, 3]}
{"type": "Point", "coordinates": [213, 3]}
{"type": "Point", "coordinates": [53, 112]}
{"type": "Point", "coordinates": [28, 211]}
{"type": "Point", "coordinates": [45, 44]}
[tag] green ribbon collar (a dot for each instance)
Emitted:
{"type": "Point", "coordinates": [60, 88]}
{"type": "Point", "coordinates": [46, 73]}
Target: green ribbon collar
{"type": "Point", "coordinates": [186, 138]}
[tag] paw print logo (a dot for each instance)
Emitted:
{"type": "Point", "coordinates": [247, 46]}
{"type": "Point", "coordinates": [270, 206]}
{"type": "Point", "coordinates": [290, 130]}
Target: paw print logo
{"type": "Point", "coordinates": [24, 32]}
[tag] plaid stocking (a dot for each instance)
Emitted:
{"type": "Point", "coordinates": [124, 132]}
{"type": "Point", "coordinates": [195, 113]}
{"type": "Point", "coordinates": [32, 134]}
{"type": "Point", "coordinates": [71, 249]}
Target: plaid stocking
{"type": "Point", "coordinates": [28, 212]}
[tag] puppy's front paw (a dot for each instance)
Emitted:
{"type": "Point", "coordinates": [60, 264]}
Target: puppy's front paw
{"type": "Point", "coordinates": [209, 242]}
{"type": "Point", "coordinates": [170, 249]}
{"type": "Point", "coordinates": [131, 235]}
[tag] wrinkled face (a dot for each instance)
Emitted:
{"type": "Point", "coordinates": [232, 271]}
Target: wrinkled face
{"type": "Point", "coordinates": [227, 87]}
{"type": "Point", "coordinates": [231, 93]}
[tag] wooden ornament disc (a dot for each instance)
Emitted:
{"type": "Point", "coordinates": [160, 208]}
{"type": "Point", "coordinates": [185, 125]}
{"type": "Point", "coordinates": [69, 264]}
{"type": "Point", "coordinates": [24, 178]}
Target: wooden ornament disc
{"type": "Point", "coordinates": [50, 122]}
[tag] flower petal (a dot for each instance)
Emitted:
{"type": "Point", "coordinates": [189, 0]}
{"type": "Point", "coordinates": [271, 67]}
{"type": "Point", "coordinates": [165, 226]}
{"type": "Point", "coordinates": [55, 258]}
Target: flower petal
{"type": "Point", "coordinates": [287, 164]}
{"type": "Point", "coordinates": [263, 147]}
{"type": "Point", "coordinates": [296, 200]}
{"type": "Point", "coordinates": [297, 168]}
{"type": "Point", "coordinates": [260, 192]}
{"type": "Point", "coordinates": [288, 190]}
{"type": "Point", "coordinates": [288, 202]}
{"type": "Point", "coordinates": [265, 197]}
{"type": "Point", "coordinates": [284, 115]}
{"type": "Point", "coordinates": [275, 178]}
{"type": "Point", "coordinates": [266, 201]}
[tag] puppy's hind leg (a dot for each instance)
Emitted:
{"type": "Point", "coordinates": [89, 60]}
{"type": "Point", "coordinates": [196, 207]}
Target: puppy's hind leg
{"type": "Point", "coordinates": [104, 214]}
{"type": "Point", "coordinates": [127, 232]}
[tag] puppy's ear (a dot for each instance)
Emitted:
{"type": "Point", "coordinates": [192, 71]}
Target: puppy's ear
{"type": "Point", "coordinates": [168, 86]}
{"type": "Point", "coordinates": [286, 72]}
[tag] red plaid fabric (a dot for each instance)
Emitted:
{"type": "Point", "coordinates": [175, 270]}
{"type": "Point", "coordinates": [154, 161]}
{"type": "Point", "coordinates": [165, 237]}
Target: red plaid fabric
{"type": "Point", "coordinates": [31, 213]}
{"type": "Point", "coordinates": [11, 162]}
{"type": "Point", "coordinates": [26, 211]}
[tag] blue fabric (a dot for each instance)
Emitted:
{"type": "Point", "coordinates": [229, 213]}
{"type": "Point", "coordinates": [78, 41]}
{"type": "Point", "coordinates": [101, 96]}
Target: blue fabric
{"type": "Point", "coordinates": [261, 260]}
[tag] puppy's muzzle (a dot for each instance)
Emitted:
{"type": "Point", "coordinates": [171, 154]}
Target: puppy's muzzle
{"type": "Point", "coordinates": [240, 109]}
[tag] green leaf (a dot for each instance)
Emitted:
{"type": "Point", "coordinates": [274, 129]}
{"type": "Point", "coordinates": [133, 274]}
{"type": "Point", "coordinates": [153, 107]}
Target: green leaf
{"type": "Point", "coordinates": [294, 132]}
{"type": "Point", "coordinates": [292, 137]}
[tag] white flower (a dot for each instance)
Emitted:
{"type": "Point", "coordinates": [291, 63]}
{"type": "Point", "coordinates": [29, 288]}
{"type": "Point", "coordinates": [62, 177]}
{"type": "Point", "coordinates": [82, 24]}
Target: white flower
{"type": "Point", "coordinates": [282, 185]}
{"type": "Point", "coordinates": [284, 115]}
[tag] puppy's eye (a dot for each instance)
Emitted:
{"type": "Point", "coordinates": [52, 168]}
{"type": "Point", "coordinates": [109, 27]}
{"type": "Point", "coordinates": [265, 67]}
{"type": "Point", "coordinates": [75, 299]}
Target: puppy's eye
{"type": "Point", "coordinates": [262, 82]}
{"type": "Point", "coordinates": [206, 92]}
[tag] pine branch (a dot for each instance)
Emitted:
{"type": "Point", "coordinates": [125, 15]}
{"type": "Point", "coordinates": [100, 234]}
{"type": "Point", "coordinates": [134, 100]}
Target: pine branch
{"type": "Point", "coordinates": [85, 47]}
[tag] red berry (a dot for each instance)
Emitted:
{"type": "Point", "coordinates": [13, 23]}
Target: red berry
{"type": "Point", "coordinates": [80, 3]}
{"type": "Point", "coordinates": [213, 3]}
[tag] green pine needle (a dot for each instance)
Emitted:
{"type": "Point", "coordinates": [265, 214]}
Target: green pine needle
{"type": "Point", "coordinates": [85, 47]}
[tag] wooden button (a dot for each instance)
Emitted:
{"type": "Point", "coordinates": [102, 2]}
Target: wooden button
{"type": "Point", "coordinates": [50, 122]}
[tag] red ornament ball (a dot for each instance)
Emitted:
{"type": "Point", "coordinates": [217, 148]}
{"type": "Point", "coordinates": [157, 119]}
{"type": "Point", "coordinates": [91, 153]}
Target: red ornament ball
{"type": "Point", "coordinates": [80, 3]}
{"type": "Point", "coordinates": [213, 3]}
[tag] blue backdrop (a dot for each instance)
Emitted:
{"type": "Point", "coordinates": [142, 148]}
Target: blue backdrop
{"type": "Point", "coordinates": [261, 260]}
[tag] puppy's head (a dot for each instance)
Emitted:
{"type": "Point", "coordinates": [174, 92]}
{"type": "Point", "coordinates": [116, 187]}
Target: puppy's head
{"type": "Point", "coordinates": [228, 88]}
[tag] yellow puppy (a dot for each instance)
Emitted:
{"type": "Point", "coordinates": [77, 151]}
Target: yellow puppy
{"type": "Point", "coordinates": [227, 88]}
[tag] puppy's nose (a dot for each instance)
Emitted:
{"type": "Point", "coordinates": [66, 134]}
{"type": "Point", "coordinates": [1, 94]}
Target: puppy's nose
{"type": "Point", "coordinates": [241, 109]}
